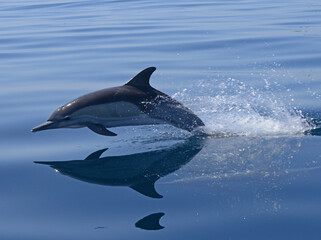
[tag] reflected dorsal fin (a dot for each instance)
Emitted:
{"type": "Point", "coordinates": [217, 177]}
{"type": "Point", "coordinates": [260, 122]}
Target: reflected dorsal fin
{"type": "Point", "coordinates": [146, 188]}
{"type": "Point", "coordinates": [142, 78]}
{"type": "Point", "coordinates": [96, 155]}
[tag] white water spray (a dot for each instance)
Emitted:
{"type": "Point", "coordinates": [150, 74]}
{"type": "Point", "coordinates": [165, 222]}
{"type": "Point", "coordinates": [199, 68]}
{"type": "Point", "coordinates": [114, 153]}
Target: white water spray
{"type": "Point", "coordinates": [233, 108]}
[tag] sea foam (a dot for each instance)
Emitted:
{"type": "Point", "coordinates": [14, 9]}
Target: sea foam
{"type": "Point", "coordinates": [233, 108]}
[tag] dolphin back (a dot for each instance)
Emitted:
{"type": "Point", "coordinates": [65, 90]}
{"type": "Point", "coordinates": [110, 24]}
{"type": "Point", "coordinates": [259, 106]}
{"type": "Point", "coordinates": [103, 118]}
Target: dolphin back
{"type": "Point", "coordinates": [162, 106]}
{"type": "Point", "coordinates": [173, 112]}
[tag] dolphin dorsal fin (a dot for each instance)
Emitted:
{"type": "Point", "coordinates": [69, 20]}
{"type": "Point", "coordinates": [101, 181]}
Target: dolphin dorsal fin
{"type": "Point", "coordinates": [142, 78]}
{"type": "Point", "coordinates": [96, 155]}
{"type": "Point", "coordinates": [146, 188]}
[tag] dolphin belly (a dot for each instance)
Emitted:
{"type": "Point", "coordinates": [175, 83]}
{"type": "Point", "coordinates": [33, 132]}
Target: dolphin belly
{"type": "Point", "coordinates": [115, 114]}
{"type": "Point", "coordinates": [109, 110]}
{"type": "Point", "coordinates": [142, 119]}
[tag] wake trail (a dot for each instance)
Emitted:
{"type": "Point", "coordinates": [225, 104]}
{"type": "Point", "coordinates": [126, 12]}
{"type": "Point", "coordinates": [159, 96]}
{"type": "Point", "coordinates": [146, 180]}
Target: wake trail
{"type": "Point", "coordinates": [231, 108]}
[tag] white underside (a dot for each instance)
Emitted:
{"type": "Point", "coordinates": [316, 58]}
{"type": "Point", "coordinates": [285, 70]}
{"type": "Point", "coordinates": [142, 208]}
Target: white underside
{"type": "Point", "coordinates": [115, 114]}
{"type": "Point", "coordinates": [142, 119]}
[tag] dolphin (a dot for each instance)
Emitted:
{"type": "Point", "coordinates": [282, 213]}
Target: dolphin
{"type": "Point", "coordinates": [134, 103]}
{"type": "Point", "coordinates": [138, 171]}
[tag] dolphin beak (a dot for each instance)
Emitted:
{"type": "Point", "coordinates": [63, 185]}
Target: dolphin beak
{"type": "Point", "coordinates": [44, 126]}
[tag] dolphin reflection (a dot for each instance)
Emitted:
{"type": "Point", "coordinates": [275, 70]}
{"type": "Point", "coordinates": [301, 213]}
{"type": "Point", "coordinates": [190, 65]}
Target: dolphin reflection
{"type": "Point", "coordinates": [138, 171]}
{"type": "Point", "coordinates": [150, 222]}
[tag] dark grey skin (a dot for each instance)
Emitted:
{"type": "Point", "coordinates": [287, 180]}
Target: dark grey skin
{"type": "Point", "coordinates": [135, 103]}
{"type": "Point", "coordinates": [138, 171]}
{"type": "Point", "coordinates": [150, 222]}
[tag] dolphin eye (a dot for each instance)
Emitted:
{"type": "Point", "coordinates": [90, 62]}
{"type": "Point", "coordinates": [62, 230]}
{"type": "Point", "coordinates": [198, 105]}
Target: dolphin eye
{"type": "Point", "coordinates": [67, 118]}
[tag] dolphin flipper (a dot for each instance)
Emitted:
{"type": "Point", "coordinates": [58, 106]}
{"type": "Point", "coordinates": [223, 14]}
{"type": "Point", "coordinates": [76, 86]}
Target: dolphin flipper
{"type": "Point", "coordinates": [146, 188]}
{"type": "Point", "coordinates": [100, 129]}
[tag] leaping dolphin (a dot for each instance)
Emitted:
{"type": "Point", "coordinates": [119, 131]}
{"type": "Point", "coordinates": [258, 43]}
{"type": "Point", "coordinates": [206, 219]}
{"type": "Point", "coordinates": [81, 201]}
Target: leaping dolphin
{"type": "Point", "coordinates": [135, 103]}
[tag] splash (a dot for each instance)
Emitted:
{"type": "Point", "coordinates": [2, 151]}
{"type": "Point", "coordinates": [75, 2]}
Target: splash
{"type": "Point", "coordinates": [233, 108]}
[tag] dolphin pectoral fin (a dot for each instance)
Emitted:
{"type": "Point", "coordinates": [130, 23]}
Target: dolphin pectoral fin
{"type": "Point", "coordinates": [146, 188]}
{"type": "Point", "coordinates": [96, 155]}
{"type": "Point", "coordinates": [100, 129]}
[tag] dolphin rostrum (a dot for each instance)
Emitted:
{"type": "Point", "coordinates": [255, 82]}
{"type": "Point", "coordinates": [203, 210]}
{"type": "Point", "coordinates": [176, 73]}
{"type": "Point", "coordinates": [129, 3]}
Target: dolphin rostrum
{"type": "Point", "coordinates": [135, 103]}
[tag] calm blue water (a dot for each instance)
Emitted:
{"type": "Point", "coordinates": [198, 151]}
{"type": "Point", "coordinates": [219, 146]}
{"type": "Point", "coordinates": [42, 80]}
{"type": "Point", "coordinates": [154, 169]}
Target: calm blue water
{"type": "Point", "coordinates": [250, 69]}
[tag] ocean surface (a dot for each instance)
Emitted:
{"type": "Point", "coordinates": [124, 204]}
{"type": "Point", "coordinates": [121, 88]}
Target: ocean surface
{"type": "Point", "coordinates": [251, 70]}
